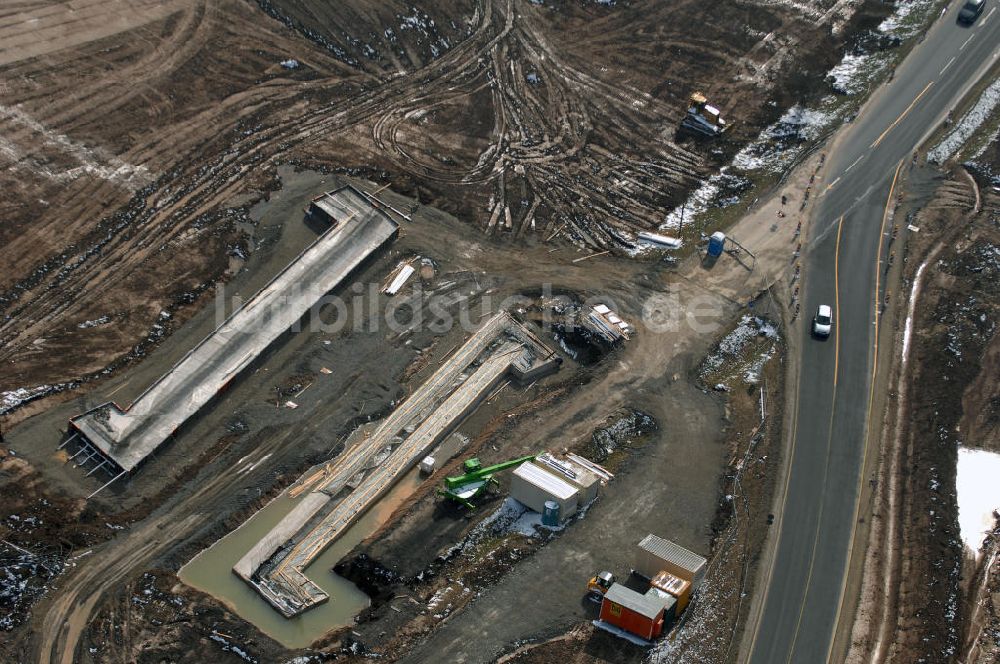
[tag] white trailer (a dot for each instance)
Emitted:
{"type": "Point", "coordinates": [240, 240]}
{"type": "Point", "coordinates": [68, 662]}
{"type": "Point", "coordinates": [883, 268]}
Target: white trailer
{"type": "Point", "coordinates": [533, 485]}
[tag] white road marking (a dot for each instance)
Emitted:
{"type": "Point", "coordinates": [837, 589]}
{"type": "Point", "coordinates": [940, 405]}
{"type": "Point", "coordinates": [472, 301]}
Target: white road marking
{"type": "Point", "coordinates": [854, 164]}
{"type": "Point", "coordinates": [983, 22]}
{"type": "Point", "coordinates": [971, 37]}
{"type": "Point", "coordinates": [948, 65]}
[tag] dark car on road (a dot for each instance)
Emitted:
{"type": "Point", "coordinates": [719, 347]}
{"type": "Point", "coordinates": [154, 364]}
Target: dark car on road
{"type": "Point", "coordinates": [970, 11]}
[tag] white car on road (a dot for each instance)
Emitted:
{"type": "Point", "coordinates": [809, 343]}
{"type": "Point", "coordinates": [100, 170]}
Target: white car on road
{"type": "Point", "coordinates": [823, 321]}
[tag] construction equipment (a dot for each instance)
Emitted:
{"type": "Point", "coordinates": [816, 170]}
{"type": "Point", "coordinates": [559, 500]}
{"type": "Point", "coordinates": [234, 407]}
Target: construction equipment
{"type": "Point", "coordinates": [477, 479]}
{"type": "Point", "coordinates": [703, 118]}
{"type": "Point", "coordinates": [599, 584]}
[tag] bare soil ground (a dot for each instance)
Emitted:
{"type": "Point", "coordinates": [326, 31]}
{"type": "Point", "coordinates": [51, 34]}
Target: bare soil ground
{"type": "Point", "coordinates": [129, 154]}
{"type": "Point", "coordinates": [166, 526]}
{"type": "Point", "coordinates": [134, 142]}
{"type": "Point", "coordinates": [920, 587]}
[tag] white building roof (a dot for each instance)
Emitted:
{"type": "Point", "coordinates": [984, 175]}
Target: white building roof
{"type": "Point", "coordinates": [545, 480]}
{"type": "Point", "coordinates": [674, 553]}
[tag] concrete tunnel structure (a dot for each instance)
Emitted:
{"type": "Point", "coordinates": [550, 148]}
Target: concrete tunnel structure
{"type": "Point", "coordinates": [275, 566]}
{"type": "Point", "coordinates": [125, 437]}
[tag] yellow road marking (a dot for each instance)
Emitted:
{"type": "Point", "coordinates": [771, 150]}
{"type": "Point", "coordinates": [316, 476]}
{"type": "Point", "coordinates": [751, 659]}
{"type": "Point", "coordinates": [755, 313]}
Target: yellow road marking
{"type": "Point", "coordinates": [836, 303]}
{"type": "Point", "coordinates": [901, 116]}
{"type": "Point", "coordinates": [109, 395]}
{"type": "Point", "coordinates": [791, 461]}
{"type": "Point", "coordinates": [812, 556]}
{"type": "Point", "coordinates": [781, 511]}
{"type": "Point", "coordinates": [829, 438]}
{"type": "Point", "coordinates": [871, 400]}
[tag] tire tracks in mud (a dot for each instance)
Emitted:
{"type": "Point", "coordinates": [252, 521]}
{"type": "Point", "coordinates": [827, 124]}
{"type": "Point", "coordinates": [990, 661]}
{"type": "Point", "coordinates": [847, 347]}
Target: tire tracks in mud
{"type": "Point", "coordinates": [573, 103]}
{"type": "Point", "coordinates": [159, 213]}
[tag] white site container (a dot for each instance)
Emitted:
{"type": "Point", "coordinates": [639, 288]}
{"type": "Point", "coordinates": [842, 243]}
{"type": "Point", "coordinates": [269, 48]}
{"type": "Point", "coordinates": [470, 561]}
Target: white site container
{"type": "Point", "coordinates": [427, 465]}
{"type": "Point", "coordinates": [656, 554]}
{"type": "Point", "coordinates": [532, 485]}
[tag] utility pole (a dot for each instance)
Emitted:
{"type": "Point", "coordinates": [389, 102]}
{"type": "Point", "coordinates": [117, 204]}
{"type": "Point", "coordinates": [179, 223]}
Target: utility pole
{"type": "Point", "coordinates": [680, 227]}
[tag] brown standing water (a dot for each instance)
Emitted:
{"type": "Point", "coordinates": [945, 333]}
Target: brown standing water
{"type": "Point", "coordinates": [211, 570]}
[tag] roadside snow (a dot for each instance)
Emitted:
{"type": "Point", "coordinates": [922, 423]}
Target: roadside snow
{"type": "Point", "coordinates": [851, 76]}
{"type": "Point", "coordinates": [719, 191]}
{"type": "Point", "coordinates": [732, 349]}
{"type": "Point", "coordinates": [697, 202]}
{"type": "Point", "coordinates": [908, 327]}
{"type": "Point", "coordinates": [906, 20]}
{"type": "Point", "coordinates": [778, 145]}
{"type": "Point", "coordinates": [968, 125]}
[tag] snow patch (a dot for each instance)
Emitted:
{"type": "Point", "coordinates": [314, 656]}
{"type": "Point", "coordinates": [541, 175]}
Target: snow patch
{"type": "Point", "coordinates": [978, 494]}
{"type": "Point", "coordinates": [95, 322]}
{"type": "Point", "coordinates": [906, 20]}
{"type": "Point", "coordinates": [852, 74]}
{"type": "Point", "coordinates": [778, 145]}
{"type": "Point", "coordinates": [968, 125]}
{"type": "Point", "coordinates": [720, 190]}
{"type": "Point", "coordinates": [14, 398]}
{"type": "Point", "coordinates": [92, 161]}
{"type": "Point", "coordinates": [732, 347]}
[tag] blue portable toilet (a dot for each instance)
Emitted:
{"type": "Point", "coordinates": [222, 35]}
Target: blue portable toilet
{"type": "Point", "coordinates": [716, 243]}
{"type": "Point", "coordinates": [550, 517]}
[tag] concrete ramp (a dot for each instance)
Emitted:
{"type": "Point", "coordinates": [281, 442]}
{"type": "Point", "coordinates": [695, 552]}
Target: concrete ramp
{"type": "Point", "coordinates": [127, 436]}
{"type": "Point", "coordinates": [276, 565]}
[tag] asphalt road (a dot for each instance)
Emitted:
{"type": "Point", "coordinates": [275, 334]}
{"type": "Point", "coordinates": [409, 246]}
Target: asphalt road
{"type": "Point", "coordinates": [805, 583]}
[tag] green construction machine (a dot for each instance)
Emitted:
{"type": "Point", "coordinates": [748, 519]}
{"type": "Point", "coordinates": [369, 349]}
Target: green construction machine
{"type": "Point", "coordinates": [477, 479]}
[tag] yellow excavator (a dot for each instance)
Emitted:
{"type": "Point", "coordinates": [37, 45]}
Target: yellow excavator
{"type": "Point", "coordinates": [599, 584]}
